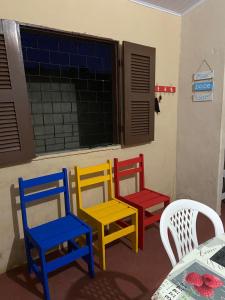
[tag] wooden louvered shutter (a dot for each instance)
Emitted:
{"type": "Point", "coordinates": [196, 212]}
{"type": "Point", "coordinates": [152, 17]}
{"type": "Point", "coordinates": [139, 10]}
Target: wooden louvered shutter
{"type": "Point", "coordinates": [139, 85]}
{"type": "Point", "coordinates": [16, 137]}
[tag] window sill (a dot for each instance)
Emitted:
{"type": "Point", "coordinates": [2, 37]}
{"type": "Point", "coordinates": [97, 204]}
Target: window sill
{"type": "Point", "coordinates": [75, 152]}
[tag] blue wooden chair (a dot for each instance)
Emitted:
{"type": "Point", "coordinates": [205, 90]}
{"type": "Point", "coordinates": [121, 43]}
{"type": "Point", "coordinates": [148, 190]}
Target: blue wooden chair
{"type": "Point", "coordinates": [49, 235]}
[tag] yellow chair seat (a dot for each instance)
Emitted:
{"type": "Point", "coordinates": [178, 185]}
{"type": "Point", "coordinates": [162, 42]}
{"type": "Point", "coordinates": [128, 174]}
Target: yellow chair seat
{"type": "Point", "coordinates": [110, 211]}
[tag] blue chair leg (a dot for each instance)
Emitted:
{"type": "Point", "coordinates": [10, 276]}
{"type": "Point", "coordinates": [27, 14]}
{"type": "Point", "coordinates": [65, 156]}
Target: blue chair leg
{"type": "Point", "coordinates": [28, 253]}
{"type": "Point", "coordinates": [90, 256]}
{"type": "Point", "coordinates": [44, 275]}
{"type": "Point", "coordinates": [69, 246]}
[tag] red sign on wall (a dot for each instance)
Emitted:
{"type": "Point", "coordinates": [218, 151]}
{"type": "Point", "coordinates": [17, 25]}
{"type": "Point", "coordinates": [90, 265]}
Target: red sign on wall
{"type": "Point", "coordinates": [165, 89]}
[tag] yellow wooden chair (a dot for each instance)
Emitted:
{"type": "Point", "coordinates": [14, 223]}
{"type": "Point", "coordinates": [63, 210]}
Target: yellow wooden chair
{"type": "Point", "coordinates": [111, 214]}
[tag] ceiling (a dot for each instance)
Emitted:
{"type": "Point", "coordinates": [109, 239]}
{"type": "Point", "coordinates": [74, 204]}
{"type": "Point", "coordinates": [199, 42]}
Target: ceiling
{"type": "Point", "coordinates": [177, 7]}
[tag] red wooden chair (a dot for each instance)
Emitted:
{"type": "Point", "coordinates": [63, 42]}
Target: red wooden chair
{"type": "Point", "coordinates": [143, 199]}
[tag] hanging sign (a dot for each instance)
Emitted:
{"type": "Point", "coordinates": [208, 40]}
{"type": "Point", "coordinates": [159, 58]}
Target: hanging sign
{"type": "Point", "coordinates": [202, 86]}
{"type": "Point", "coordinates": [204, 75]}
{"type": "Point", "coordinates": [203, 97]}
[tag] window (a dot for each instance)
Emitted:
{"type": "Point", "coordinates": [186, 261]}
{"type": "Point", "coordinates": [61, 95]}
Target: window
{"type": "Point", "coordinates": [59, 92]}
{"type": "Point", "coordinates": [69, 81]}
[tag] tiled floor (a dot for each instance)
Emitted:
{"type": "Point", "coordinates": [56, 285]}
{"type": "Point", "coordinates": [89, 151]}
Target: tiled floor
{"type": "Point", "coordinates": [129, 276]}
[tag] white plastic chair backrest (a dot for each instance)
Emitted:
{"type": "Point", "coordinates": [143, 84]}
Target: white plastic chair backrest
{"type": "Point", "coordinates": [180, 218]}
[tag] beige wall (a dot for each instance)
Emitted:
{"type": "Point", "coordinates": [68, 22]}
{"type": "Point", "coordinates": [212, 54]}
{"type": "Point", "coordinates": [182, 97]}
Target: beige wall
{"type": "Point", "coordinates": [116, 19]}
{"type": "Point", "coordinates": [200, 135]}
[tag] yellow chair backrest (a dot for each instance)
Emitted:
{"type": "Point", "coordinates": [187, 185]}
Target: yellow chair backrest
{"type": "Point", "coordinates": [93, 178]}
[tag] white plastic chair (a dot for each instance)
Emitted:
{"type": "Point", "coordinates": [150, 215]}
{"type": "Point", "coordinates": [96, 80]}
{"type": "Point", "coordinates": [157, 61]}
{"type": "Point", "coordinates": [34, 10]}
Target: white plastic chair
{"type": "Point", "coordinates": [180, 218]}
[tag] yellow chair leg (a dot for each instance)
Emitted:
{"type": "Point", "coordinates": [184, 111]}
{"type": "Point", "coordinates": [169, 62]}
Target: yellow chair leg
{"type": "Point", "coordinates": [101, 236]}
{"type": "Point", "coordinates": [134, 235]}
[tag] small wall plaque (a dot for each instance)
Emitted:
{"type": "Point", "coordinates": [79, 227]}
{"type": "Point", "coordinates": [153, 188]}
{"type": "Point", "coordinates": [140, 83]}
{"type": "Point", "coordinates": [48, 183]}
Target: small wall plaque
{"type": "Point", "coordinates": [203, 97]}
{"type": "Point", "coordinates": [203, 84]}
{"type": "Point", "coordinates": [204, 75]}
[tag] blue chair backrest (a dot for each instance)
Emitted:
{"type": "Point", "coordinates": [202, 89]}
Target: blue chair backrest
{"type": "Point", "coordinates": [34, 196]}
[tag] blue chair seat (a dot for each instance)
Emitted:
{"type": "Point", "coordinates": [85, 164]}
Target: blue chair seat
{"type": "Point", "coordinates": [53, 233]}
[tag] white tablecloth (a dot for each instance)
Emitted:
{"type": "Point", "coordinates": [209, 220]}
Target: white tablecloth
{"type": "Point", "coordinates": [172, 287]}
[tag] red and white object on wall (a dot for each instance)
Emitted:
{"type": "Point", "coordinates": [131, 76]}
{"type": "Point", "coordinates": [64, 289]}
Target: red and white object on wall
{"type": "Point", "coordinates": [165, 89]}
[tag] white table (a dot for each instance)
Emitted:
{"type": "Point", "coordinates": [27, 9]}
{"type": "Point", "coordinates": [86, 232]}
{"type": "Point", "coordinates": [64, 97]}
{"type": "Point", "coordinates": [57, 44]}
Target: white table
{"type": "Point", "coordinates": [175, 286]}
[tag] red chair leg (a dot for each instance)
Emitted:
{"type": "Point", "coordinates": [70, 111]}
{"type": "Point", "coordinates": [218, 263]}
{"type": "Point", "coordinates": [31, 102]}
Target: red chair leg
{"type": "Point", "coordinates": [166, 203]}
{"type": "Point", "coordinates": [141, 228]}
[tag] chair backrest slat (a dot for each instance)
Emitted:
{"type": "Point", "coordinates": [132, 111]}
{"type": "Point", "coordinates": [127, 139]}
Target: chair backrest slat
{"type": "Point", "coordinates": [93, 169]}
{"type": "Point", "coordinates": [131, 161]}
{"type": "Point", "coordinates": [129, 172]}
{"type": "Point", "coordinates": [42, 180]}
{"type": "Point", "coordinates": [29, 196]}
{"type": "Point", "coordinates": [44, 194]}
{"type": "Point", "coordinates": [94, 180]}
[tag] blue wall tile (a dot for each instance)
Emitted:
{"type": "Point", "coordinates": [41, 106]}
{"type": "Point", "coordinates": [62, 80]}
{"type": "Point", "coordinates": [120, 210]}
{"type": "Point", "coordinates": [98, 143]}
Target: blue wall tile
{"type": "Point", "coordinates": [48, 42]}
{"type": "Point", "coordinates": [68, 45]}
{"type": "Point", "coordinates": [38, 55]}
{"type": "Point", "coordinates": [28, 39]}
{"type": "Point", "coordinates": [94, 64]}
{"type": "Point", "coordinates": [49, 70]}
{"type": "Point", "coordinates": [59, 58]}
{"type": "Point", "coordinates": [86, 48]}
{"type": "Point", "coordinates": [78, 60]}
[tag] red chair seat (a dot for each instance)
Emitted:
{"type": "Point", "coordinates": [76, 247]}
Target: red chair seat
{"type": "Point", "coordinates": [146, 198]}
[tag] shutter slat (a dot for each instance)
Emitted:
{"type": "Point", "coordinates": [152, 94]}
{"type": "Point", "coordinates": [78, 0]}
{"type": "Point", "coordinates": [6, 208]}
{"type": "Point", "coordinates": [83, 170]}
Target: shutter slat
{"type": "Point", "coordinates": [8, 117]}
{"type": "Point", "coordinates": [138, 68]}
{"type": "Point", "coordinates": [4, 79]}
{"type": "Point", "coordinates": [11, 130]}
{"type": "Point", "coordinates": [5, 73]}
{"type": "Point", "coordinates": [6, 137]}
{"type": "Point", "coordinates": [7, 114]}
{"type": "Point", "coordinates": [13, 142]}
{"type": "Point", "coordinates": [144, 71]}
{"type": "Point", "coordinates": [4, 86]}
{"type": "Point", "coordinates": [141, 64]}
{"type": "Point", "coordinates": [8, 122]}
{"type": "Point", "coordinates": [138, 78]}
{"type": "Point", "coordinates": [139, 90]}
{"type": "Point", "coordinates": [8, 127]}
{"type": "Point", "coordinates": [9, 149]}
{"type": "Point", "coordinates": [140, 83]}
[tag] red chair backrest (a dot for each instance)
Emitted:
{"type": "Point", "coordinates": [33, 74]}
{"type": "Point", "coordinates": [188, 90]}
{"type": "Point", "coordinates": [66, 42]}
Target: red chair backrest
{"type": "Point", "coordinates": [126, 168]}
